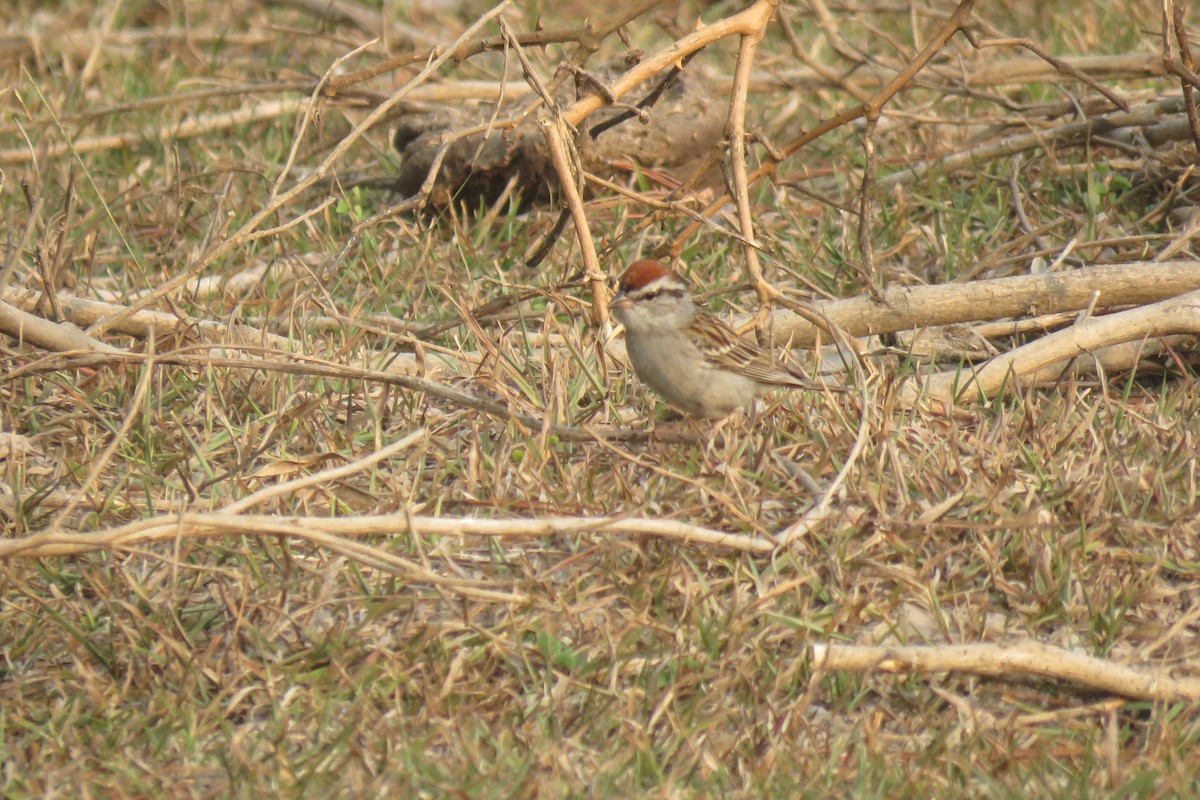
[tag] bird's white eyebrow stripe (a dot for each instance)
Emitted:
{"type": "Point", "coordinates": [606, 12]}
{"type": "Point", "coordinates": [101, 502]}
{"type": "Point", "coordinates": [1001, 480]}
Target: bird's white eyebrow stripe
{"type": "Point", "coordinates": [662, 285]}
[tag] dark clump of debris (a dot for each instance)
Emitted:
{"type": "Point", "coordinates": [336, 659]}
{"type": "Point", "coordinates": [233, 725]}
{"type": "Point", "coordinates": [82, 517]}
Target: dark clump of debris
{"type": "Point", "coordinates": [666, 131]}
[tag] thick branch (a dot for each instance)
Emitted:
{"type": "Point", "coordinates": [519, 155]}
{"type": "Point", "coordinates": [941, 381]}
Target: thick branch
{"type": "Point", "coordinates": [906, 307]}
{"type": "Point", "coordinates": [1179, 315]}
{"type": "Point", "coordinates": [43, 333]}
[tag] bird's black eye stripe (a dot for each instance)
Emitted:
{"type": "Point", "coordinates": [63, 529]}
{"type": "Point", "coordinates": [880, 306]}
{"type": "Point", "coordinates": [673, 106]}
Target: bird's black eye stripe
{"type": "Point", "coordinates": [653, 295]}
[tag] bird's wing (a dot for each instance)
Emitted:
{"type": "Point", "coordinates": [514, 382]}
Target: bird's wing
{"type": "Point", "coordinates": [742, 355]}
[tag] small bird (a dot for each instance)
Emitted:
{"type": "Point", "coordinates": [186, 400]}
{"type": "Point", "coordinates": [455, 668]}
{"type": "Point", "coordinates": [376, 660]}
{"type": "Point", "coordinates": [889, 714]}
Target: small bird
{"type": "Point", "coordinates": [696, 362]}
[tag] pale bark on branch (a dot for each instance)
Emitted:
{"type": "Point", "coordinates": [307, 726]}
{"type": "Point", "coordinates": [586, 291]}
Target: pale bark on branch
{"type": "Point", "coordinates": [1179, 315]}
{"type": "Point", "coordinates": [168, 527]}
{"type": "Point", "coordinates": [908, 307]}
{"type": "Point", "coordinates": [1010, 660]}
{"type": "Point", "coordinates": [57, 337]}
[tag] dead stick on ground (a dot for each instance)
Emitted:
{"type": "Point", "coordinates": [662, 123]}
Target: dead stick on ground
{"type": "Point", "coordinates": [82, 312]}
{"type": "Point", "coordinates": [186, 129]}
{"type": "Point", "coordinates": [336, 534]}
{"type": "Point", "coordinates": [568, 178]}
{"type": "Point", "coordinates": [1007, 660]}
{"type": "Point", "coordinates": [55, 336]}
{"type": "Point", "coordinates": [735, 133]}
{"type": "Point", "coordinates": [907, 307]}
{"type": "Point", "coordinates": [168, 526]}
{"type": "Point", "coordinates": [1179, 315]}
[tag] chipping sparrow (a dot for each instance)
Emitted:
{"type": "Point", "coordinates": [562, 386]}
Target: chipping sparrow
{"type": "Point", "coordinates": [694, 360]}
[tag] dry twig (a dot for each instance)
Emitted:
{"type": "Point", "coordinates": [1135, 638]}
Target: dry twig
{"type": "Point", "coordinates": [1179, 315]}
{"type": "Point", "coordinates": [1155, 122]}
{"type": "Point", "coordinates": [570, 179]}
{"type": "Point", "coordinates": [1008, 660]}
{"type": "Point", "coordinates": [1175, 36]}
{"type": "Point", "coordinates": [199, 125]}
{"type": "Point", "coordinates": [957, 21]}
{"type": "Point", "coordinates": [167, 527]}
{"type": "Point", "coordinates": [735, 134]}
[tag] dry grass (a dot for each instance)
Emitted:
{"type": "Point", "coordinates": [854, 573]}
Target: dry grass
{"type": "Point", "coordinates": [634, 665]}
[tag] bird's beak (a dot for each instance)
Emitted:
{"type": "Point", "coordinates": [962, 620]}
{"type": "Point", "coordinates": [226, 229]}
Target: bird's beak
{"type": "Point", "coordinates": [621, 302]}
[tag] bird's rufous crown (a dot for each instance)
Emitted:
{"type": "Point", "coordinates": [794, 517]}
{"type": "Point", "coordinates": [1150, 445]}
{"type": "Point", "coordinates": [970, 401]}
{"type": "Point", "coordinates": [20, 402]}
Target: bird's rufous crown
{"type": "Point", "coordinates": [644, 272]}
